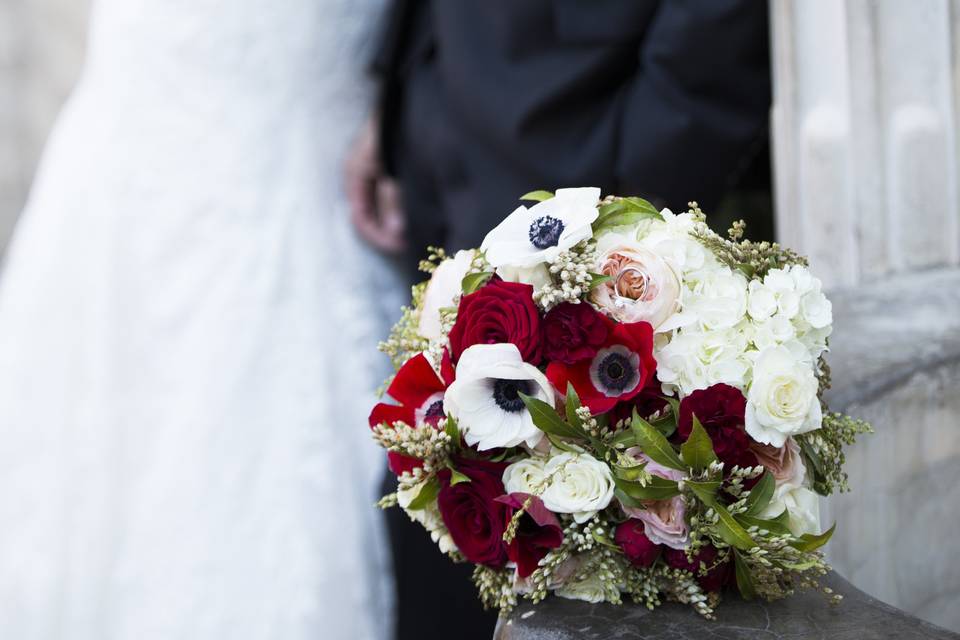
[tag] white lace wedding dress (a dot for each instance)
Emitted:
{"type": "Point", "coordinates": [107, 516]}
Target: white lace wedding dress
{"type": "Point", "coordinates": [187, 331]}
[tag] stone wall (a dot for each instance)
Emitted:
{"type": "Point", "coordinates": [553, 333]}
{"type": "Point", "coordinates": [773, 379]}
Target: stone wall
{"type": "Point", "coordinates": [41, 51]}
{"type": "Point", "coordinates": [866, 117]}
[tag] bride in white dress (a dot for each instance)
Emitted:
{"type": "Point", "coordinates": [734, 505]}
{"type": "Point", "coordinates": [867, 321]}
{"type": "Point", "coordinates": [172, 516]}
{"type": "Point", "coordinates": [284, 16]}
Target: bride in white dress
{"type": "Point", "coordinates": [186, 338]}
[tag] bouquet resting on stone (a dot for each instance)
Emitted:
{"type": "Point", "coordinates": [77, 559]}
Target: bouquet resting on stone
{"type": "Point", "coordinates": [606, 400]}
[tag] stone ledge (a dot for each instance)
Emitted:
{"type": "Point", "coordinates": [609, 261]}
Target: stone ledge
{"type": "Point", "coordinates": [886, 332]}
{"type": "Point", "coordinates": [805, 616]}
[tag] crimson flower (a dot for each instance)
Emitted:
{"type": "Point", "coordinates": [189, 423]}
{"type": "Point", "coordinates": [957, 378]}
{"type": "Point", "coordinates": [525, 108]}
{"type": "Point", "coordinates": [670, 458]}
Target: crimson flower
{"type": "Point", "coordinates": [573, 332]}
{"type": "Point", "coordinates": [498, 312]}
{"type": "Point", "coordinates": [471, 513]}
{"type": "Point", "coordinates": [720, 409]}
{"type": "Point", "coordinates": [618, 372]}
{"type": "Point", "coordinates": [637, 547]}
{"type": "Point", "coordinates": [419, 391]}
{"type": "Point", "coordinates": [715, 577]}
{"type": "Point", "coordinates": [537, 533]}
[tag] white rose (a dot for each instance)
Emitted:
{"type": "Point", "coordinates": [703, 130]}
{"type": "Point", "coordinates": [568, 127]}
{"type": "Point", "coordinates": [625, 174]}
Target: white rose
{"type": "Point", "coordinates": [718, 300]}
{"type": "Point", "coordinates": [485, 400]}
{"type": "Point", "coordinates": [762, 301]}
{"type": "Point", "coordinates": [429, 517]}
{"type": "Point", "coordinates": [444, 286]}
{"type": "Point", "coordinates": [642, 286]}
{"type": "Point", "coordinates": [782, 400]}
{"type": "Point", "coordinates": [525, 476]}
{"type": "Point", "coordinates": [803, 509]}
{"type": "Point", "coordinates": [816, 310]}
{"type": "Point", "coordinates": [579, 484]}
{"type": "Point", "coordinates": [528, 237]}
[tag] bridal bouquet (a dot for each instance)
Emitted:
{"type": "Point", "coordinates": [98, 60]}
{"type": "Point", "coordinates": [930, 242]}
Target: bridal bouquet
{"type": "Point", "coordinates": [607, 399]}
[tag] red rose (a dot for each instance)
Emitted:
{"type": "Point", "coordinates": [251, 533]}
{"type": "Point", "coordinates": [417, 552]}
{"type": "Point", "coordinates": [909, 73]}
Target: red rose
{"type": "Point", "coordinates": [537, 533]}
{"type": "Point", "coordinates": [498, 312]}
{"type": "Point", "coordinates": [573, 332]}
{"type": "Point", "coordinates": [714, 579]}
{"type": "Point", "coordinates": [619, 371]}
{"type": "Point", "coordinates": [419, 390]}
{"type": "Point", "coordinates": [720, 410]}
{"type": "Point", "coordinates": [474, 518]}
{"type": "Point", "coordinates": [637, 547]}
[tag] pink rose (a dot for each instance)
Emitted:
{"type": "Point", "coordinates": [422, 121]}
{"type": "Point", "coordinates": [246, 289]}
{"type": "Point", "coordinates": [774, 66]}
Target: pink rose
{"type": "Point", "coordinates": [642, 286]}
{"type": "Point", "coordinates": [783, 462]}
{"type": "Point", "coordinates": [664, 521]}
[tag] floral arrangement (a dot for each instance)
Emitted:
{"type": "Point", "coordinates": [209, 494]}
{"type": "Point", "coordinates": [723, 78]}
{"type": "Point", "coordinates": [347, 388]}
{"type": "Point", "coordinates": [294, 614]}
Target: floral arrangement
{"type": "Point", "coordinates": [607, 399]}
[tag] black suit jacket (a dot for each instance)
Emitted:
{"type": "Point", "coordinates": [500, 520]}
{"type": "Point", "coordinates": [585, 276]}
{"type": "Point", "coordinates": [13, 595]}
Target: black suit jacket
{"type": "Point", "coordinates": [486, 99]}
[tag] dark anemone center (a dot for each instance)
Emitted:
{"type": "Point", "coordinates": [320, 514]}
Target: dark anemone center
{"type": "Point", "coordinates": [545, 232]}
{"type": "Point", "coordinates": [434, 412]}
{"type": "Point", "coordinates": [614, 372]}
{"type": "Point", "coordinates": [506, 393]}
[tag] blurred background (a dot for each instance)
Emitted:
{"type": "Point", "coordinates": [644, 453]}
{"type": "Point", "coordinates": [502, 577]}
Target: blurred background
{"type": "Point", "coordinates": [866, 173]}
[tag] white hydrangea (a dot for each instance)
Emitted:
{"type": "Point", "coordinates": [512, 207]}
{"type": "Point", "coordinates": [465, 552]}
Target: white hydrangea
{"type": "Point", "coordinates": [695, 359]}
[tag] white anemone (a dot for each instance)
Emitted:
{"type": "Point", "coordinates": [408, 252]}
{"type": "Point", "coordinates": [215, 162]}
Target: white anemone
{"type": "Point", "coordinates": [484, 398]}
{"type": "Point", "coordinates": [528, 237]}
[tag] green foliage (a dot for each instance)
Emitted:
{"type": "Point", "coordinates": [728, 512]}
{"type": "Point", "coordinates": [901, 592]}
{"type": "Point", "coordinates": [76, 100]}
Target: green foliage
{"type": "Point", "coordinates": [697, 451]}
{"type": "Point", "coordinates": [473, 281]}
{"type": "Point", "coordinates": [624, 211]}
{"type": "Point", "coordinates": [548, 420]}
{"type": "Point", "coordinates": [655, 445]}
{"type": "Point", "coordinates": [823, 450]}
{"type": "Point", "coordinates": [539, 196]}
{"type": "Point", "coordinates": [428, 494]}
{"type": "Point", "coordinates": [760, 495]}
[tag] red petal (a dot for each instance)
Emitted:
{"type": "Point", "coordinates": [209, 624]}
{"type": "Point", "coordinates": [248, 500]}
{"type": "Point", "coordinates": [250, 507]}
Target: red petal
{"type": "Point", "coordinates": [536, 510]}
{"type": "Point", "coordinates": [399, 463]}
{"type": "Point", "coordinates": [447, 372]}
{"type": "Point", "coordinates": [415, 382]}
{"type": "Point", "coordinates": [578, 374]}
{"type": "Point", "coordinates": [390, 413]}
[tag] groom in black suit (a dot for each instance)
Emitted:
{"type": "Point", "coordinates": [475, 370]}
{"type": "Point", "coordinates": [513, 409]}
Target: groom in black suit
{"type": "Point", "coordinates": [483, 100]}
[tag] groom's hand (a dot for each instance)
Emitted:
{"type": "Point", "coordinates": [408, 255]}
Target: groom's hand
{"type": "Point", "coordinates": [374, 197]}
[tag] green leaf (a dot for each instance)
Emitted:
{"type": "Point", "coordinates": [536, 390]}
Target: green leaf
{"type": "Point", "coordinates": [760, 495]}
{"type": "Point", "coordinates": [453, 430]}
{"type": "Point", "coordinates": [706, 490]}
{"type": "Point", "coordinates": [747, 269]}
{"type": "Point", "coordinates": [571, 406]}
{"type": "Point", "coordinates": [697, 451]}
{"type": "Point", "coordinates": [561, 444]}
{"type": "Point", "coordinates": [473, 281]}
{"type": "Point", "coordinates": [626, 211]}
{"type": "Point", "coordinates": [596, 279]}
{"type": "Point", "coordinates": [428, 493]}
{"type": "Point", "coordinates": [812, 542]}
{"type": "Point", "coordinates": [539, 195]}
{"type": "Point", "coordinates": [774, 526]}
{"type": "Point", "coordinates": [657, 489]}
{"type": "Point", "coordinates": [631, 474]}
{"type": "Point", "coordinates": [547, 419]}
{"type": "Point", "coordinates": [624, 438]}
{"type": "Point", "coordinates": [456, 477]}
{"type": "Point", "coordinates": [667, 425]}
{"type": "Point", "coordinates": [626, 500]}
{"type": "Point", "coordinates": [815, 462]}
{"type": "Point", "coordinates": [654, 444]}
{"type": "Point", "coordinates": [642, 206]}
{"type": "Point", "coordinates": [730, 530]}
{"type": "Point", "coordinates": [744, 579]}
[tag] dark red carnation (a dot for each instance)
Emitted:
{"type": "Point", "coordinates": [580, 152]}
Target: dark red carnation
{"type": "Point", "coordinates": [537, 533]}
{"type": "Point", "coordinates": [419, 390]}
{"type": "Point", "coordinates": [573, 332]}
{"type": "Point", "coordinates": [714, 579]}
{"type": "Point", "coordinates": [498, 312]}
{"type": "Point", "coordinates": [637, 547]}
{"type": "Point", "coordinates": [618, 372]}
{"type": "Point", "coordinates": [471, 513]}
{"type": "Point", "coordinates": [720, 410]}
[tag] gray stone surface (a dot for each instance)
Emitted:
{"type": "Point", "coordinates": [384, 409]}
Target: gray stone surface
{"type": "Point", "coordinates": [805, 616]}
{"type": "Point", "coordinates": [896, 363]}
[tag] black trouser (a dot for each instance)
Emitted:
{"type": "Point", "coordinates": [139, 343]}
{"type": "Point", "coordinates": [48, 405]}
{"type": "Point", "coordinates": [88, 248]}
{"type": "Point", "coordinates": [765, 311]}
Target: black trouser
{"type": "Point", "coordinates": [436, 599]}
